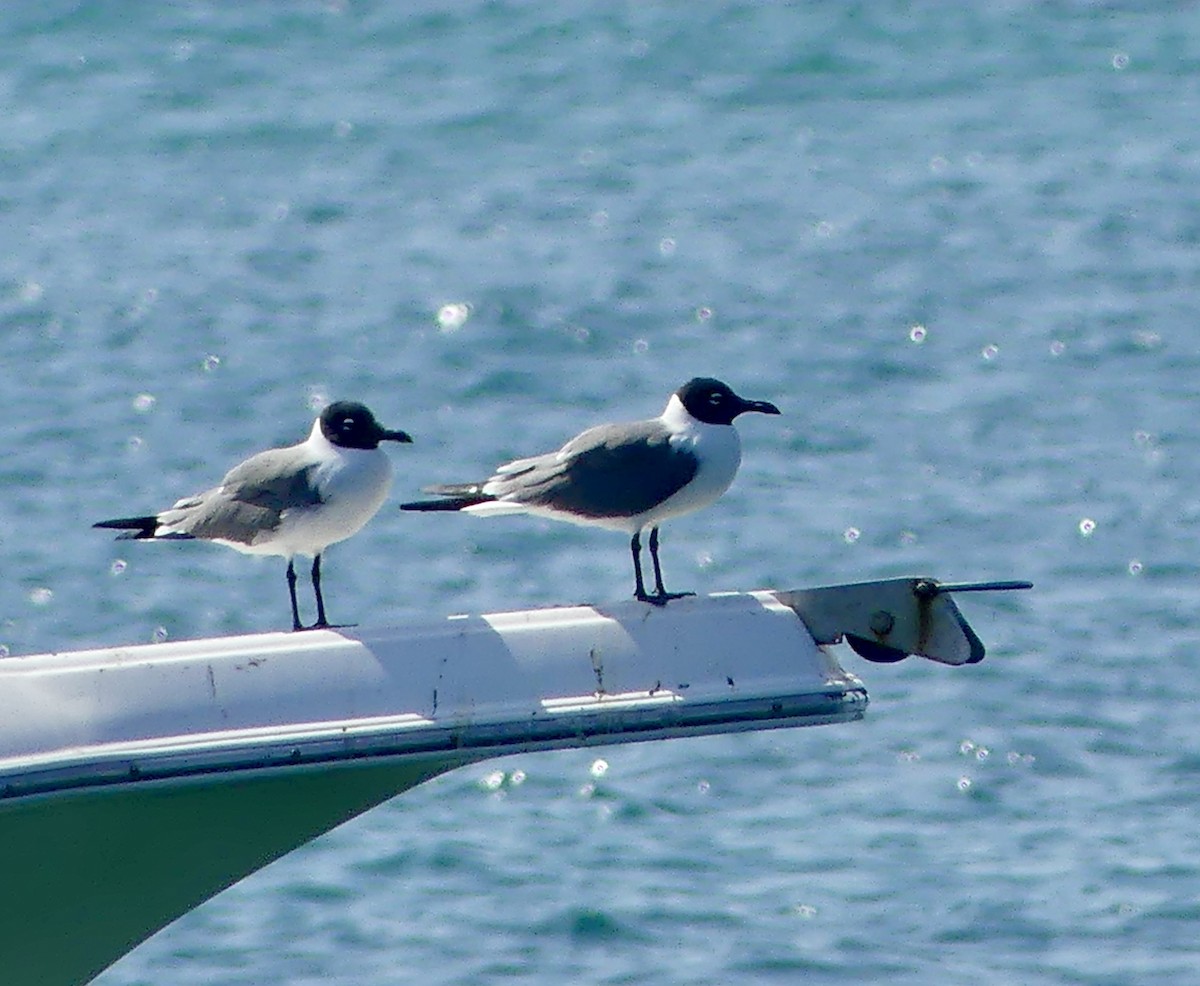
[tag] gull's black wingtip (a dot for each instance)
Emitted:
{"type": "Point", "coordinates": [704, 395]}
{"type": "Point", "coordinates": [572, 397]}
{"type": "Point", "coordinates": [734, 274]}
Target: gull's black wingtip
{"type": "Point", "coordinates": [451, 497]}
{"type": "Point", "coordinates": [140, 529]}
{"type": "Point", "coordinates": [134, 527]}
{"type": "Point", "coordinates": [446, 505]}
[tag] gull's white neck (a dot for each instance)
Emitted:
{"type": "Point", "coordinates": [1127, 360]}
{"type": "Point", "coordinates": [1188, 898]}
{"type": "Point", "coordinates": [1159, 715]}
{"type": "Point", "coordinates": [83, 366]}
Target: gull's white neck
{"type": "Point", "coordinates": [678, 419]}
{"type": "Point", "coordinates": [321, 447]}
{"type": "Point", "coordinates": [316, 437]}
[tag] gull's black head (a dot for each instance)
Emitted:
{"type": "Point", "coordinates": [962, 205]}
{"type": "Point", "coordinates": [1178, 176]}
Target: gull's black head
{"type": "Point", "coordinates": [712, 402]}
{"type": "Point", "coordinates": [349, 424]}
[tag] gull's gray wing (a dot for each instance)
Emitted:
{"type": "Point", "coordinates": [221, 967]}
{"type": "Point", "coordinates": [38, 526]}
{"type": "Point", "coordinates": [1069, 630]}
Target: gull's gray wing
{"type": "Point", "coordinates": [618, 470]}
{"type": "Point", "coordinates": [250, 501]}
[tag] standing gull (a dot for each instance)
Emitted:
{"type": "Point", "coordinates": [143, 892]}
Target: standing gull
{"type": "Point", "coordinates": [625, 477]}
{"type": "Point", "coordinates": [288, 501]}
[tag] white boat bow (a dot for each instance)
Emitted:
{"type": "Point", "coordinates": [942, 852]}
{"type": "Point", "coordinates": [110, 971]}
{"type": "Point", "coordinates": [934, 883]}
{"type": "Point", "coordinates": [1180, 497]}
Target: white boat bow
{"type": "Point", "coordinates": [137, 782]}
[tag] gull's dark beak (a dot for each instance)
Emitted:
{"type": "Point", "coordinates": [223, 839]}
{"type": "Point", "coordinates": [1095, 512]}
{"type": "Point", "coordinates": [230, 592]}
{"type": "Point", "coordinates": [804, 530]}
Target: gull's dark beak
{"type": "Point", "coordinates": [762, 407]}
{"type": "Point", "coordinates": [394, 436]}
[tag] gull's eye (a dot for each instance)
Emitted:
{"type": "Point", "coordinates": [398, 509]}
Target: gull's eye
{"type": "Point", "coordinates": [715, 398]}
{"type": "Point", "coordinates": [347, 424]}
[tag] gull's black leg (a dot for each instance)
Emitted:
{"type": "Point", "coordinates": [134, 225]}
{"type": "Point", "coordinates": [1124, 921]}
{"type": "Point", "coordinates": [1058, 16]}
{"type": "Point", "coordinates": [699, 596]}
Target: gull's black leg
{"type": "Point", "coordinates": [291, 581]}
{"type": "Point", "coordinates": [661, 596]}
{"type": "Point", "coordinates": [322, 623]}
{"type": "Point", "coordinates": [639, 591]}
{"type": "Point", "coordinates": [316, 581]}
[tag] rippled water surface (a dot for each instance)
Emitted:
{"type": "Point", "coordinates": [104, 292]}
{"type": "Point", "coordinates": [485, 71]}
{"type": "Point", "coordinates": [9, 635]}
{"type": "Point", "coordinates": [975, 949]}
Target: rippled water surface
{"type": "Point", "coordinates": [958, 247]}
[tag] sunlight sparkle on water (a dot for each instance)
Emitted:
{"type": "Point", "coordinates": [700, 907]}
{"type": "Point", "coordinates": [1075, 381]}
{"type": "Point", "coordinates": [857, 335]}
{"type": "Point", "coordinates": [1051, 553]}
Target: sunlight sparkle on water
{"type": "Point", "coordinates": [118, 566]}
{"type": "Point", "coordinates": [41, 596]}
{"type": "Point", "coordinates": [453, 316]}
{"type": "Point", "coordinates": [851, 534]}
{"type": "Point", "coordinates": [30, 291]}
{"type": "Point", "coordinates": [1087, 527]}
{"type": "Point", "coordinates": [917, 334]}
{"type": "Point", "coordinates": [990, 351]}
{"type": "Point", "coordinates": [492, 780]}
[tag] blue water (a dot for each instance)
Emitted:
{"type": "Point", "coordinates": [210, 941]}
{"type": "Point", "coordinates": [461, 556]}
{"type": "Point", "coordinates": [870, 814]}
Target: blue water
{"type": "Point", "coordinates": [959, 247]}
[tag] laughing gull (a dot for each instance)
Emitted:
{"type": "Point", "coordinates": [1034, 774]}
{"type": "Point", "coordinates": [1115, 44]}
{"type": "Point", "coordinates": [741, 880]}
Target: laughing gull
{"type": "Point", "coordinates": [288, 501]}
{"type": "Point", "coordinates": [625, 477]}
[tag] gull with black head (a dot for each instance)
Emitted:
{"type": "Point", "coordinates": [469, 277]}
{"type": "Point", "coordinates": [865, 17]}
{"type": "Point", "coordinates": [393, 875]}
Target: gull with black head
{"type": "Point", "coordinates": [288, 501]}
{"type": "Point", "coordinates": [626, 477]}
